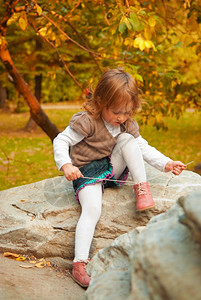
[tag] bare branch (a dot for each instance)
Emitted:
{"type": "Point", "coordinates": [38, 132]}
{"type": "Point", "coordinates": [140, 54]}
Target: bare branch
{"type": "Point", "coordinates": [77, 33]}
{"type": "Point", "coordinates": [68, 37]}
{"type": "Point", "coordinates": [86, 45]}
{"type": "Point", "coordinates": [60, 57]}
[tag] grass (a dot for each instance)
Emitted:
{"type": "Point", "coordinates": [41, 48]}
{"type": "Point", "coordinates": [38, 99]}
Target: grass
{"type": "Point", "coordinates": [28, 157]}
{"type": "Point", "coordinates": [182, 141]}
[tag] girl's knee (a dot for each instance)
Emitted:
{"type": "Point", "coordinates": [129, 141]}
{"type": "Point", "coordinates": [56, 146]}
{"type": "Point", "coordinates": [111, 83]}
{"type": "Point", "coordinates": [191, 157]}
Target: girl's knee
{"type": "Point", "coordinates": [93, 212]}
{"type": "Point", "coordinates": [125, 138]}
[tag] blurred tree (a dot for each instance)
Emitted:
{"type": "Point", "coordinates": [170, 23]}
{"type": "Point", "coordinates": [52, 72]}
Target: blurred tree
{"type": "Point", "coordinates": [3, 96]}
{"type": "Point", "coordinates": [158, 42]}
{"type": "Point", "coordinates": [31, 124]}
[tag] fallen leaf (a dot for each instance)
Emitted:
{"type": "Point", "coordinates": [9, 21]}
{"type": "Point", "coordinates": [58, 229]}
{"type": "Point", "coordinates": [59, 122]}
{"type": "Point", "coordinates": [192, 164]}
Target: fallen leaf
{"type": "Point", "coordinates": [21, 258]}
{"type": "Point", "coordinates": [11, 255]}
{"type": "Point", "coordinates": [41, 259]}
{"type": "Point", "coordinates": [40, 265]}
{"type": "Point", "coordinates": [48, 264]}
{"type": "Point", "coordinates": [32, 261]}
{"type": "Point", "coordinates": [26, 266]}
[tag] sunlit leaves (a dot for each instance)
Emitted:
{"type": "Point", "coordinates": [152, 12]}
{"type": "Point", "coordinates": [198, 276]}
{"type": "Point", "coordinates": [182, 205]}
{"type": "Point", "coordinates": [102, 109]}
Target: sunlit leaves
{"type": "Point", "coordinates": [43, 31]}
{"type": "Point", "coordinates": [23, 22]}
{"type": "Point", "coordinates": [148, 32]}
{"type": "Point", "coordinates": [143, 44]}
{"type": "Point", "coordinates": [39, 10]}
{"type": "Point", "coordinates": [122, 26]}
{"type": "Point", "coordinates": [21, 18]}
{"type": "Point", "coordinates": [51, 35]}
{"type": "Point", "coordinates": [152, 21]}
{"type": "Point", "coordinates": [135, 21]}
{"type": "Point", "coordinates": [13, 18]}
{"type": "Point", "coordinates": [161, 40]}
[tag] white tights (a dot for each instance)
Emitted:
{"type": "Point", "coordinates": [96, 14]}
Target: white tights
{"type": "Point", "coordinates": [125, 153]}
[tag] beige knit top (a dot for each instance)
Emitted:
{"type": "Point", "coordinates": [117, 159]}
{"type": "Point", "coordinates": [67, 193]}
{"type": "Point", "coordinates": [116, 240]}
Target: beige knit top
{"type": "Point", "coordinates": [97, 142]}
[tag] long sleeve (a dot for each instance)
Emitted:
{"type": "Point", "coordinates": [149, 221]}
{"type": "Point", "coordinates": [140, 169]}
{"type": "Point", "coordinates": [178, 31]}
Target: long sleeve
{"type": "Point", "coordinates": [62, 143]}
{"type": "Point", "coordinates": [152, 156]}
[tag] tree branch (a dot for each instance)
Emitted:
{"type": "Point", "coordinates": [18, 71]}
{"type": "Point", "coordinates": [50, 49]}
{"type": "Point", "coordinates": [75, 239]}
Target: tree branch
{"type": "Point", "coordinates": [36, 111]}
{"type": "Point", "coordinates": [86, 45]}
{"type": "Point", "coordinates": [68, 37]}
{"type": "Point", "coordinates": [79, 36]}
{"type": "Point", "coordinates": [59, 55]}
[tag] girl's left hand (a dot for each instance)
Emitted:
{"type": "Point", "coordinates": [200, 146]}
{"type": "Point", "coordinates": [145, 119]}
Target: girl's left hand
{"type": "Point", "coordinates": [176, 167]}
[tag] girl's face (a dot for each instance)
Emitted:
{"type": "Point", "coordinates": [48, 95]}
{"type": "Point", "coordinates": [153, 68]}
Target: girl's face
{"type": "Point", "coordinates": [116, 115]}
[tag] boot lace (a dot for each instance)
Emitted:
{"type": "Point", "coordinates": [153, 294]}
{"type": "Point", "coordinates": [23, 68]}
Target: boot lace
{"type": "Point", "coordinates": [141, 190]}
{"type": "Point", "coordinates": [84, 263]}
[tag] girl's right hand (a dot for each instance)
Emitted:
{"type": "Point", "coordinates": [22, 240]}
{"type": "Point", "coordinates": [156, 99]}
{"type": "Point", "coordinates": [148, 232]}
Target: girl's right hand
{"type": "Point", "coordinates": [71, 172]}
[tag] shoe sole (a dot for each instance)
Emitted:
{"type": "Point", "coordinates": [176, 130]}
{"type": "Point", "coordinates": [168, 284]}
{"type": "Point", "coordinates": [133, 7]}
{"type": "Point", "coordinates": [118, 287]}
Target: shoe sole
{"type": "Point", "coordinates": [145, 208]}
{"type": "Point", "coordinates": [82, 285]}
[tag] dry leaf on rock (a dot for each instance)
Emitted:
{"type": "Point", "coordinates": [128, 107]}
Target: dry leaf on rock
{"type": "Point", "coordinates": [26, 266]}
{"type": "Point", "coordinates": [11, 255]}
{"type": "Point", "coordinates": [43, 264]}
{"type": "Point", "coordinates": [21, 258]}
{"type": "Point", "coordinates": [40, 265]}
{"type": "Point", "coordinates": [32, 261]}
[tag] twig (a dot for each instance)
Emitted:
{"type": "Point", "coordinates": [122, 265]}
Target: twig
{"type": "Point", "coordinates": [11, 159]}
{"type": "Point", "coordinates": [59, 55]}
{"type": "Point", "coordinates": [129, 182]}
{"type": "Point", "coordinates": [86, 45]}
{"type": "Point", "coordinates": [68, 37]}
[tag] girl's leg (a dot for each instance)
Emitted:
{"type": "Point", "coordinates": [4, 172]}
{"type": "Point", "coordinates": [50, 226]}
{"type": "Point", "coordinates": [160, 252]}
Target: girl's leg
{"type": "Point", "coordinates": [90, 199]}
{"type": "Point", "coordinates": [127, 153]}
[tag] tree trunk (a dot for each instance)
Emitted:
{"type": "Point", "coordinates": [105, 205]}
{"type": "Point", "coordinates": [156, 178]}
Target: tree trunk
{"type": "Point", "coordinates": [31, 124]}
{"type": "Point", "coordinates": [3, 97]}
{"type": "Point", "coordinates": [36, 111]}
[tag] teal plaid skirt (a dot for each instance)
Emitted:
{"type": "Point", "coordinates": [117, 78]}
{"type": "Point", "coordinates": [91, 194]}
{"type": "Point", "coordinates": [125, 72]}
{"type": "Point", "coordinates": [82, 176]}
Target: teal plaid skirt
{"type": "Point", "coordinates": [99, 171]}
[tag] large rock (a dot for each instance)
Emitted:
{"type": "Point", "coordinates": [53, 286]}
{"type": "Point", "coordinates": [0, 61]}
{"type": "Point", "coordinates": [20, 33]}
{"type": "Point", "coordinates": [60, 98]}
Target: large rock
{"type": "Point", "coordinates": [160, 261]}
{"type": "Point", "coordinates": [40, 218]}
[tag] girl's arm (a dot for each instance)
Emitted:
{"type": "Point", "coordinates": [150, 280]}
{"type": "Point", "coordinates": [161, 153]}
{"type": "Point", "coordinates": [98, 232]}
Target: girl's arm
{"type": "Point", "coordinates": [61, 146]}
{"type": "Point", "coordinates": [158, 160]}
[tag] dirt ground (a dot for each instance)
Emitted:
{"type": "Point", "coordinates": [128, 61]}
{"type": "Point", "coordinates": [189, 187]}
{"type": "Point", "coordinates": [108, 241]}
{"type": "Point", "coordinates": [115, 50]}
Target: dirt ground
{"type": "Point", "coordinates": [31, 283]}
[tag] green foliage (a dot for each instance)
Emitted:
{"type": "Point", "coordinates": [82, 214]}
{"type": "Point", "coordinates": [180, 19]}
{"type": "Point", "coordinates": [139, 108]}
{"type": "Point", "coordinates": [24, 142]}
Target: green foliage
{"type": "Point", "coordinates": [158, 42]}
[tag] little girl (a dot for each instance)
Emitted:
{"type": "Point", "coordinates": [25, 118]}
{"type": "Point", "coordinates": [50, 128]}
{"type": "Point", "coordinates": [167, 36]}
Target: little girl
{"type": "Point", "coordinates": [103, 143]}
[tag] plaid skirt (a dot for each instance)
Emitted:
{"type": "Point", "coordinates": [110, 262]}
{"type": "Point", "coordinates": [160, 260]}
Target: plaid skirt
{"type": "Point", "coordinates": [98, 171]}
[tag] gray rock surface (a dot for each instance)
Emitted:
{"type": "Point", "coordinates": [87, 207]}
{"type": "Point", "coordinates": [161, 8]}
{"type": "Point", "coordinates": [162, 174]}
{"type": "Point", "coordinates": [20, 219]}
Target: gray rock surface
{"type": "Point", "coordinates": [159, 261]}
{"type": "Point", "coordinates": [40, 218]}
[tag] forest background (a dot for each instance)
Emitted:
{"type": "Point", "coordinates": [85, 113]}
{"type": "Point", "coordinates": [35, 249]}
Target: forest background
{"type": "Point", "coordinates": [55, 51]}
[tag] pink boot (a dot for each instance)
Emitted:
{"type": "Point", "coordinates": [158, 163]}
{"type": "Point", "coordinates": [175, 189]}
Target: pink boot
{"type": "Point", "coordinates": [79, 272]}
{"type": "Point", "coordinates": [144, 199]}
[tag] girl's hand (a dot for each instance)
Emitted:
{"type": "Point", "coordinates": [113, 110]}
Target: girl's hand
{"type": "Point", "coordinates": [176, 167]}
{"type": "Point", "coordinates": [71, 172]}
